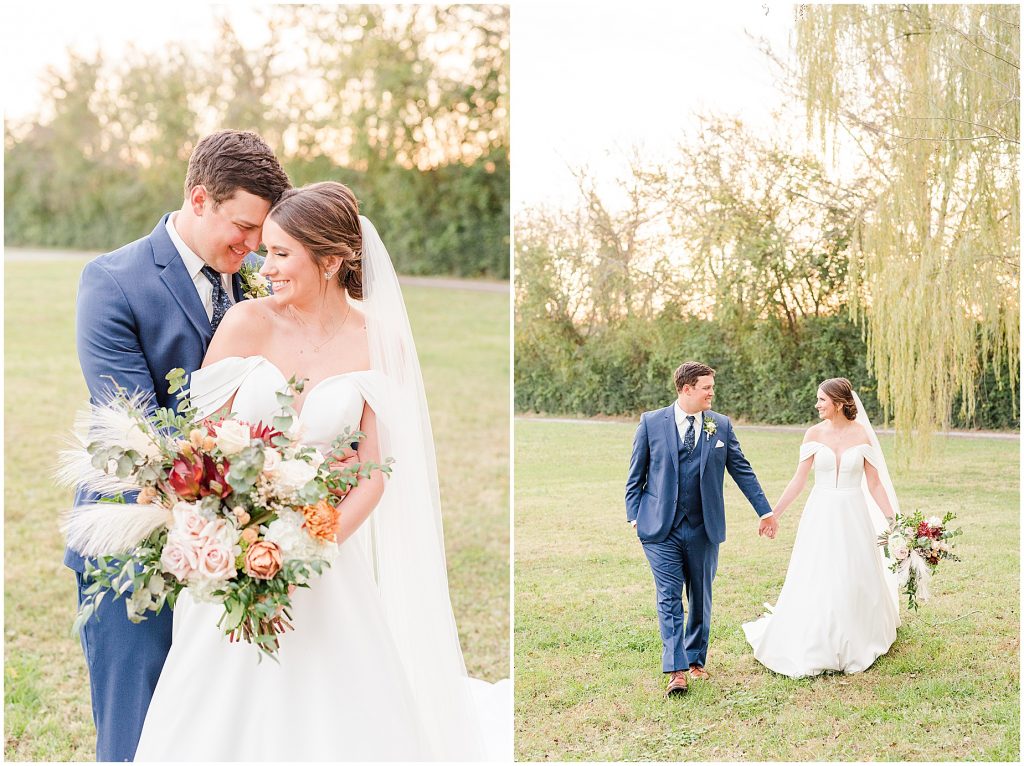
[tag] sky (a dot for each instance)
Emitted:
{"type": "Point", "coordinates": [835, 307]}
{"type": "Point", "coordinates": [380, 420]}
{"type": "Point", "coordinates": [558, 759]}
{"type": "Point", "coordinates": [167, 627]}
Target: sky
{"type": "Point", "coordinates": [589, 83]}
{"type": "Point", "coordinates": [36, 35]}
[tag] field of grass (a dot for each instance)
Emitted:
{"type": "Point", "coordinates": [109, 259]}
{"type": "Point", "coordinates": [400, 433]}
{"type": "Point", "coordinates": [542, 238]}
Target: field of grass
{"type": "Point", "coordinates": [462, 338]}
{"type": "Point", "coordinates": [588, 657]}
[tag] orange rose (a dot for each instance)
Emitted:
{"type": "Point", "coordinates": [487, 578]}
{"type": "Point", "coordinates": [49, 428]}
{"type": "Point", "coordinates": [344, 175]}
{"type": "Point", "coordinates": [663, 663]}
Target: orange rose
{"type": "Point", "coordinates": [321, 521]}
{"type": "Point", "coordinates": [263, 560]}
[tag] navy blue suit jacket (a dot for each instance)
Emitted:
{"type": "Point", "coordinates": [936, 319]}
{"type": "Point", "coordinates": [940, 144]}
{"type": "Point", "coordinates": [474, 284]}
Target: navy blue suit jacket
{"type": "Point", "coordinates": [652, 483]}
{"type": "Point", "coordinates": [139, 316]}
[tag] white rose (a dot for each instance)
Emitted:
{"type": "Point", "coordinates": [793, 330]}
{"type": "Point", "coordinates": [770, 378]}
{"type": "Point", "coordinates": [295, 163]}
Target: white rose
{"type": "Point", "coordinates": [180, 556]}
{"type": "Point", "coordinates": [232, 437]}
{"type": "Point", "coordinates": [934, 522]}
{"type": "Point", "coordinates": [271, 460]}
{"type": "Point", "coordinates": [216, 561]}
{"type": "Point", "coordinates": [188, 520]}
{"type": "Point", "coordinates": [317, 458]}
{"type": "Point", "coordinates": [292, 475]}
{"type": "Point", "coordinates": [287, 532]}
{"type": "Point", "coordinates": [898, 547]}
{"type": "Point", "coordinates": [221, 532]}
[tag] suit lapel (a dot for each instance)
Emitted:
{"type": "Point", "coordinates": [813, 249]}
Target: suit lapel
{"type": "Point", "coordinates": [671, 434]}
{"type": "Point", "coordinates": [236, 286]}
{"type": "Point", "coordinates": [705, 442]}
{"type": "Point", "coordinates": [175, 276]}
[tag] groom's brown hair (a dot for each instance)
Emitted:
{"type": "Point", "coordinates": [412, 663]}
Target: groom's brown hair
{"type": "Point", "coordinates": [228, 160]}
{"type": "Point", "coordinates": [688, 372]}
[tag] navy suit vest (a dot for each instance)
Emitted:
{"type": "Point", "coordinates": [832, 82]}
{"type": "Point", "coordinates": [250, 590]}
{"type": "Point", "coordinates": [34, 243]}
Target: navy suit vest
{"type": "Point", "coordinates": [688, 502]}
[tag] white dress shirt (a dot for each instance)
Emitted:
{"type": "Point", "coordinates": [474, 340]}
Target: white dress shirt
{"type": "Point", "coordinates": [683, 425]}
{"type": "Point", "coordinates": [195, 264]}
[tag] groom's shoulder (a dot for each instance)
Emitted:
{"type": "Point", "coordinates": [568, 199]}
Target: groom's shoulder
{"type": "Point", "coordinates": [651, 414]}
{"type": "Point", "coordinates": [125, 261]}
{"type": "Point", "coordinates": [723, 419]}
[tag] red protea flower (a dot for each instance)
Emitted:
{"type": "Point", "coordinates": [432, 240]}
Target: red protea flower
{"type": "Point", "coordinates": [214, 480]}
{"type": "Point", "coordinates": [198, 476]}
{"type": "Point", "coordinates": [932, 533]}
{"type": "Point", "coordinates": [263, 432]}
{"type": "Point", "coordinates": [185, 477]}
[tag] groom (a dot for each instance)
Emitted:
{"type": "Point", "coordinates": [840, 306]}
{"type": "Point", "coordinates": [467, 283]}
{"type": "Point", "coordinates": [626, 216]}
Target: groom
{"type": "Point", "coordinates": [143, 310]}
{"type": "Point", "coordinates": [674, 501]}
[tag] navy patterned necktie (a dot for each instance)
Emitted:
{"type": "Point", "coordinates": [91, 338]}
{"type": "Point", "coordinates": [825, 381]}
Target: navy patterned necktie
{"type": "Point", "coordinates": [688, 440]}
{"type": "Point", "coordinates": [221, 302]}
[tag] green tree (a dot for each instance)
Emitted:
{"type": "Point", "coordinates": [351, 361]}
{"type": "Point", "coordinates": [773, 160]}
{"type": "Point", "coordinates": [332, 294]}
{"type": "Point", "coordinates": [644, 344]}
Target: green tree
{"type": "Point", "coordinates": [930, 95]}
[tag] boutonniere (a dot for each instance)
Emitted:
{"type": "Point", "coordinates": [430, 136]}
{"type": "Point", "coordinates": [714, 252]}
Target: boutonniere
{"type": "Point", "coordinates": [710, 426]}
{"type": "Point", "coordinates": [253, 285]}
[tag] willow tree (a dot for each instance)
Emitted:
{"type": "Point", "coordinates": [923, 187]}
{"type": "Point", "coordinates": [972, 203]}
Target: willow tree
{"type": "Point", "coordinates": [930, 97]}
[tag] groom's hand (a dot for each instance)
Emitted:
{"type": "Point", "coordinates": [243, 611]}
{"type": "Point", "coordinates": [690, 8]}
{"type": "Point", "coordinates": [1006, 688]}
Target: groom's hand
{"type": "Point", "coordinates": [768, 527]}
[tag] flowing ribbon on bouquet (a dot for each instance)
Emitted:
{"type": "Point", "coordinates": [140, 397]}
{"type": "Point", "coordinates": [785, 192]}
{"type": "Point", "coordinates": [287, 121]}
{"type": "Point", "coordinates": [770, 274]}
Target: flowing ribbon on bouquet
{"type": "Point", "coordinates": [916, 564]}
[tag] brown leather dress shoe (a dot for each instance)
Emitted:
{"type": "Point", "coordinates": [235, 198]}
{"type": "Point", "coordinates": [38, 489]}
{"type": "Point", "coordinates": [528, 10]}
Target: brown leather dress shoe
{"type": "Point", "coordinates": [698, 672]}
{"type": "Point", "coordinates": [676, 683]}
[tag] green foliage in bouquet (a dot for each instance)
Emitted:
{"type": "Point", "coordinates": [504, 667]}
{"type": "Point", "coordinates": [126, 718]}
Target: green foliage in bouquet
{"type": "Point", "coordinates": [202, 480]}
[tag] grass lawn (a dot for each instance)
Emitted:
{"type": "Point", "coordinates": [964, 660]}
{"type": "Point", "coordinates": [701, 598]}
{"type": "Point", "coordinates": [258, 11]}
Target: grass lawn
{"type": "Point", "coordinates": [462, 338]}
{"type": "Point", "coordinates": [588, 656]}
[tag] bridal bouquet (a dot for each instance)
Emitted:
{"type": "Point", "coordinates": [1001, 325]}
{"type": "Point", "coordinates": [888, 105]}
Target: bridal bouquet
{"type": "Point", "coordinates": [238, 513]}
{"type": "Point", "coordinates": [917, 545]}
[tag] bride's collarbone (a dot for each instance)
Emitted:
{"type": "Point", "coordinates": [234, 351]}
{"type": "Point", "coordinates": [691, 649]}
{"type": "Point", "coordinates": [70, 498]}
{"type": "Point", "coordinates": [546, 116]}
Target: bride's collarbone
{"type": "Point", "coordinates": [311, 370]}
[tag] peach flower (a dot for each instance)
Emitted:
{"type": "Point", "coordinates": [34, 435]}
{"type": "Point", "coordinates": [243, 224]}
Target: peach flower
{"type": "Point", "coordinates": [263, 560]}
{"type": "Point", "coordinates": [321, 521]}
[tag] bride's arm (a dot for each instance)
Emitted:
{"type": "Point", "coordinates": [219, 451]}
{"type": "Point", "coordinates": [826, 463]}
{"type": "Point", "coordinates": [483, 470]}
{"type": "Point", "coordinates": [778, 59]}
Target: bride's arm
{"type": "Point", "coordinates": [363, 498]}
{"type": "Point", "coordinates": [795, 487]}
{"type": "Point", "coordinates": [877, 491]}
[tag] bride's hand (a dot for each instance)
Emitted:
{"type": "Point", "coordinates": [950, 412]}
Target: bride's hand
{"type": "Point", "coordinates": [341, 465]}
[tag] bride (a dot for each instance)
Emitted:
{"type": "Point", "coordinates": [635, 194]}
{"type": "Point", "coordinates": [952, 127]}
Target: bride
{"type": "Point", "coordinates": [839, 605]}
{"type": "Point", "coordinates": [373, 669]}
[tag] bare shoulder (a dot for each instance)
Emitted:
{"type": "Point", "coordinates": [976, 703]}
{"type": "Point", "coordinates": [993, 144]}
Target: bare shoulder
{"type": "Point", "coordinates": [860, 433]}
{"type": "Point", "coordinates": [356, 341]}
{"type": "Point", "coordinates": [358, 320]}
{"type": "Point", "coordinates": [242, 331]}
{"type": "Point", "coordinates": [813, 433]}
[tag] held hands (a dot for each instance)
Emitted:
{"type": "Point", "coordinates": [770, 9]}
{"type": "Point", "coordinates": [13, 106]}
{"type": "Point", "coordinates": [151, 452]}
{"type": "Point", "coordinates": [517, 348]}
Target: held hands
{"type": "Point", "coordinates": [768, 527]}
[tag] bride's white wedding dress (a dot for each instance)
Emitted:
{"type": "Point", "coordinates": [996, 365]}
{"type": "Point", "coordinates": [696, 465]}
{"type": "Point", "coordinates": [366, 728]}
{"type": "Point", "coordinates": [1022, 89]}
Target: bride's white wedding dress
{"type": "Point", "coordinates": [838, 609]}
{"type": "Point", "coordinates": [373, 669]}
{"type": "Point", "coordinates": [340, 690]}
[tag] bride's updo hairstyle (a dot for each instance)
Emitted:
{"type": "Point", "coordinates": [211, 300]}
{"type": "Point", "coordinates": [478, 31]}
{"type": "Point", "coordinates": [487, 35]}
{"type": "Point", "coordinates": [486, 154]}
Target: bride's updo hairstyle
{"type": "Point", "coordinates": [324, 217]}
{"type": "Point", "coordinates": [840, 392]}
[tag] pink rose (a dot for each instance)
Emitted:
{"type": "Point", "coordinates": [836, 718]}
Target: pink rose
{"type": "Point", "coordinates": [187, 519]}
{"type": "Point", "coordinates": [216, 561]}
{"type": "Point", "coordinates": [179, 557]}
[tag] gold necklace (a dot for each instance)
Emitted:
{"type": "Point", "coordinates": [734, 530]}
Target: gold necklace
{"type": "Point", "coordinates": [317, 347]}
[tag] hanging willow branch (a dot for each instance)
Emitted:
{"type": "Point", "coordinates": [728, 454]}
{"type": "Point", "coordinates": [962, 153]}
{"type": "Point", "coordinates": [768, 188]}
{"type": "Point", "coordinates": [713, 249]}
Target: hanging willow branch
{"type": "Point", "coordinates": [936, 261]}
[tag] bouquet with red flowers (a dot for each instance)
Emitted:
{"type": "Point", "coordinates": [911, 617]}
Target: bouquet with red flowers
{"type": "Point", "coordinates": [239, 514]}
{"type": "Point", "coordinates": [917, 545]}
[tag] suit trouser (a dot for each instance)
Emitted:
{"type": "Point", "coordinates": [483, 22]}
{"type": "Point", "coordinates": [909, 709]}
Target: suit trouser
{"type": "Point", "coordinates": [124, 659]}
{"type": "Point", "coordinates": [686, 559]}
